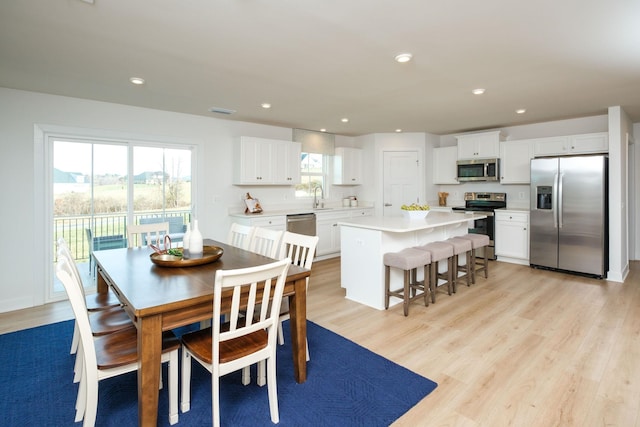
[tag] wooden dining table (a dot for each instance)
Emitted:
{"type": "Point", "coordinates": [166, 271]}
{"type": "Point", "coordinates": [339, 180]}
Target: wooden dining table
{"type": "Point", "coordinates": [161, 298]}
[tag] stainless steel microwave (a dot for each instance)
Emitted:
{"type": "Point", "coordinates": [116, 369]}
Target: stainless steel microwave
{"type": "Point", "coordinates": [478, 170]}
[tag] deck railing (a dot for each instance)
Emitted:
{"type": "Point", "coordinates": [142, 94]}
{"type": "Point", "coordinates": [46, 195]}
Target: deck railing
{"type": "Point", "coordinates": [74, 228]}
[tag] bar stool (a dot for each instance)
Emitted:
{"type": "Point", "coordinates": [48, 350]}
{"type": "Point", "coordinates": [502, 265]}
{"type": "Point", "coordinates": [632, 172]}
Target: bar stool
{"type": "Point", "coordinates": [439, 251]}
{"type": "Point", "coordinates": [408, 260]}
{"type": "Point", "coordinates": [478, 241]}
{"type": "Point", "coordinates": [460, 246]}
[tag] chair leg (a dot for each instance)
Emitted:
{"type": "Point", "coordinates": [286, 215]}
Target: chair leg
{"type": "Point", "coordinates": [433, 281]}
{"type": "Point", "coordinates": [454, 273]}
{"type": "Point", "coordinates": [262, 375]}
{"type": "Point", "coordinates": [450, 282]}
{"type": "Point", "coordinates": [246, 375]}
{"type": "Point", "coordinates": [486, 264]}
{"type": "Point", "coordinates": [473, 266]}
{"type": "Point", "coordinates": [272, 390]}
{"type": "Point", "coordinates": [387, 286]}
{"type": "Point", "coordinates": [78, 366]}
{"type": "Point", "coordinates": [91, 409]}
{"type": "Point", "coordinates": [427, 284]}
{"type": "Point", "coordinates": [215, 401]}
{"type": "Point", "coordinates": [405, 304]}
{"type": "Point", "coordinates": [75, 339]}
{"type": "Point", "coordinates": [185, 401]}
{"type": "Point", "coordinates": [468, 267]}
{"type": "Point", "coordinates": [81, 400]}
{"type": "Point", "coordinates": [173, 388]}
{"type": "Point", "coordinates": [280, 334]}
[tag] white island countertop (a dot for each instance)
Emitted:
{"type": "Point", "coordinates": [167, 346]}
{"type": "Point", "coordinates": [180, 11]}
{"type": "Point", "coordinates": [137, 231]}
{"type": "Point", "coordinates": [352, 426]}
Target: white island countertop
{"type": "Point", "coordinates": [401, 225]}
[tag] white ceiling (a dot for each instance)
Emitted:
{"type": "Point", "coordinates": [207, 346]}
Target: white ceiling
{"type": "Point", "coordinates": [319, 61]}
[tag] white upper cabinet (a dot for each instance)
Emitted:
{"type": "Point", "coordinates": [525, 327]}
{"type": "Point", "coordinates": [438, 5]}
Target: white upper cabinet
{"type": "Point", "coordinates": [444, 165]}
{"type": "Point", "coordinates": [285, 159]}
{"type": "Point", "coordinates": [483, 145]}
{"type": "Point", "coordinates": [573, 144]}
{"type": "Point", "coordinates": [260, 161]}
{"type": "Point", "coordinates": [515, 161]}
{"type": "Point", "coordinates": [347, 166]}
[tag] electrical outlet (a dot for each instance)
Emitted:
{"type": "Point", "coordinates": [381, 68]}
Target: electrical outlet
{"type": "Point", "coordinates": [521, 195]}
{"type": "Point", "coordinates": [216, 199]}
{"type": "Point", "coordinates": [455, 195]}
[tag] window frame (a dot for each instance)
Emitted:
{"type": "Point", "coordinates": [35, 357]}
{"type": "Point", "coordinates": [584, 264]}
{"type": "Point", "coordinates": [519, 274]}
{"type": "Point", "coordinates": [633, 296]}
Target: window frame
{"type": "Point", "coordinates": [306, 173]}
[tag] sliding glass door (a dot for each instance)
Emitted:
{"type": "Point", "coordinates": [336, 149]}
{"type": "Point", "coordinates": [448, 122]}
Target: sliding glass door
{"type": "Point", "coordinates": [98, 187]}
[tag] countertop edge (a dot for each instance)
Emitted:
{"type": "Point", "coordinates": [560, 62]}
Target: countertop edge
{"type": "Point", "coordinates": [401, 225]}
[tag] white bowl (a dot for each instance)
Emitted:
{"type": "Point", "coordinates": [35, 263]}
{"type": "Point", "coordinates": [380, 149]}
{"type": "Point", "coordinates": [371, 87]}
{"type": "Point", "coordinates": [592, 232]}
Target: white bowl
{"type": "Point", "coordinates": [411, 215]}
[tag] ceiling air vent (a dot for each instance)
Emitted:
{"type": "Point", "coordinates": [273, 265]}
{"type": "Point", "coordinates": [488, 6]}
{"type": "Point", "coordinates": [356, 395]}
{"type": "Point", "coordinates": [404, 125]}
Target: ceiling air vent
{"type": "Point", "coordinates": [221, 110]}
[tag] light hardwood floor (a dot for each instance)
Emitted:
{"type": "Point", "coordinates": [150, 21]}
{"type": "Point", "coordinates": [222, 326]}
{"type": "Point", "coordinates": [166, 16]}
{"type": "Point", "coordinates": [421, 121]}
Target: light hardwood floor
{"type": "Point", "coordinates": [523, 348]}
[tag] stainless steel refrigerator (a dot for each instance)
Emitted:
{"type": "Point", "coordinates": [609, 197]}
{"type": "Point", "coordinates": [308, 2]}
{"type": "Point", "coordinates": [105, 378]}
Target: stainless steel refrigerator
{"type": "Point", "coordinates": [569, 214]}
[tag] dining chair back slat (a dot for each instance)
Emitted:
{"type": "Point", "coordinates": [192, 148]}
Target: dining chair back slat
{"type": "Point", "coordinates": [265, 241]}
{"type": "Point", "coordinates": [240, 235]}
{"type": "Point", "coordinates": [139, 235]}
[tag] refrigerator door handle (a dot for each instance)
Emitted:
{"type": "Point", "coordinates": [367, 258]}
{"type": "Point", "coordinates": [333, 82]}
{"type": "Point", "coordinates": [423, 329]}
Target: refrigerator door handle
{"type": "Point", "coordinates": [559, 201]}
{"type": "Point", "coordinates": [554, 201]}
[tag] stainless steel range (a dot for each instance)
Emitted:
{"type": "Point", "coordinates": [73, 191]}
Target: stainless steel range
{"type": "Point", "coordinates": [486, 203]}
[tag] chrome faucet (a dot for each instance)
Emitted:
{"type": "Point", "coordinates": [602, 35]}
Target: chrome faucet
{"type": "Point", "coordinates": [316, 202]}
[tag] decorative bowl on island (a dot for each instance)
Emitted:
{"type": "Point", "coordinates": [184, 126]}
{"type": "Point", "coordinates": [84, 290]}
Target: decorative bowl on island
{"type": "Point", "coordinates": [415, 211]}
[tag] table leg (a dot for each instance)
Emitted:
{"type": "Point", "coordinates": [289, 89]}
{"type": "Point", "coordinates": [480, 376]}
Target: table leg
{"type": "Point", "coordinates": [101, 284]}
{"type": "Point", "coordinates": [298, 320]}
{"type": "Point", "coordinates": [149, 353]}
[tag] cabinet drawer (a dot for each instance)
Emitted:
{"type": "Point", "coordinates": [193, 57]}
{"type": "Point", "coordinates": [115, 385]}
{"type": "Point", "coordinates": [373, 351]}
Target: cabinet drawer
{"type": "Point", "coordinates": [274, 221]}
{"type": "Point", "coordinates": [512, 216]}
{"type": "Point", "coordinates": [331, 216]}
{"type": "Point", "coordinates": [361, 212]}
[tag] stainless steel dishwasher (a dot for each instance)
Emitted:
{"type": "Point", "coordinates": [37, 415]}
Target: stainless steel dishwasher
{"type": "Point", "coordinates": [304, 223]}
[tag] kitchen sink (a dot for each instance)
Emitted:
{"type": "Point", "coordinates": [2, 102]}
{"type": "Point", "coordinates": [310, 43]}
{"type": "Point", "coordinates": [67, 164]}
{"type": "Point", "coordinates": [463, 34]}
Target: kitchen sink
{"type": "Point", "coordinates": [322, 209]}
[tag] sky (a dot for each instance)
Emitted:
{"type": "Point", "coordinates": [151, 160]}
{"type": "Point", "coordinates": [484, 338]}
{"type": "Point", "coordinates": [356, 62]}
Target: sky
{"type": "Point", "coordinates": [112, 158]}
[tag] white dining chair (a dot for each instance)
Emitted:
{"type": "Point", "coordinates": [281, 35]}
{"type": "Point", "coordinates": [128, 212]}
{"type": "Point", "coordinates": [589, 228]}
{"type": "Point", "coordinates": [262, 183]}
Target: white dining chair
{"type": "Point", "coordinates": [265, 241]}
{"type": "Point", "coordinates": [139, 235]}
{"type": "Point", "coordinates": [249, 336]}
{"type": "Point", "coordinates": [240, 235]}
{"type": "Point", "coordinates": [103, 320]}
{"type": "Point", "coordinates": [110, 355]}
{"type": "Point", "coordinates": [300, 249]}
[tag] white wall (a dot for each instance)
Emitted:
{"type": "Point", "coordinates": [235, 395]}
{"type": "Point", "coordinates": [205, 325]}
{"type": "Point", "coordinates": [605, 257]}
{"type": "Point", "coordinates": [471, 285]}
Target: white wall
{"type": "Point", "coordinates": [620, 129]}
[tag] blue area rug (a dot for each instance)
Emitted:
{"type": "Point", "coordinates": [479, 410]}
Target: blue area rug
{"type": "Point", "coordinates": [347, 385]}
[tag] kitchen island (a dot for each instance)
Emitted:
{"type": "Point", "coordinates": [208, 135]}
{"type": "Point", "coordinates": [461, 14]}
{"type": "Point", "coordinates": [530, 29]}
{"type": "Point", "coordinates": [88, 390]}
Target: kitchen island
{"type": "Point", "coordinates": [364, 241]}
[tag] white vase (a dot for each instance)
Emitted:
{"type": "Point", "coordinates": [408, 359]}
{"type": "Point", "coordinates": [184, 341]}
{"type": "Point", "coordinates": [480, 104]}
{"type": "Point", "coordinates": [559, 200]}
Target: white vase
{"type": "Point", "coordinates": [195, 241]}
{"type": "Point", "coordinates": [186, 237]}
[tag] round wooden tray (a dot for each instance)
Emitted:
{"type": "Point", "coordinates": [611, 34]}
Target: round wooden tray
{"type": "Point", "coordinates": [209, 254]}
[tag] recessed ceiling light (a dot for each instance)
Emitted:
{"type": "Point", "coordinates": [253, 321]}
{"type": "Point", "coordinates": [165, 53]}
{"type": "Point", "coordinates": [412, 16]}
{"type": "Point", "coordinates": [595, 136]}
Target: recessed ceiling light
{"type": "Point", "coordinates": [521, 111]}
{"type": "Point", "coordinates": [137, 80]}
{"type": "Point", "coordinates": [266, 105]}
{"type": "Point", "coordinates": [323, 130]}
{"type": "Point", "coordinates": [404, 57]}
{"type": "Point", "coordinates": [344, 120]}
{"type": "Point", "coordinates": [478, 91]}
{"type": "Point", "coordinates": [398, 130]}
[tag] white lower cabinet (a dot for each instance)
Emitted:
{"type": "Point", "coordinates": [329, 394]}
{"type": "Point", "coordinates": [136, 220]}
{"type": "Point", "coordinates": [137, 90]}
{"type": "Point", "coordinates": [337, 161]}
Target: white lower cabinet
{"type": "Point", "coordinates": [512, 236]}
{"type": "Point", "coordinates": [328, 230]}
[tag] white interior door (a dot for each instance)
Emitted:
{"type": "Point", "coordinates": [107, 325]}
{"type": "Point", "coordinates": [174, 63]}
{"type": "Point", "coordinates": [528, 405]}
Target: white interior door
{"type": "Point", "coordinates": [400, 176]}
